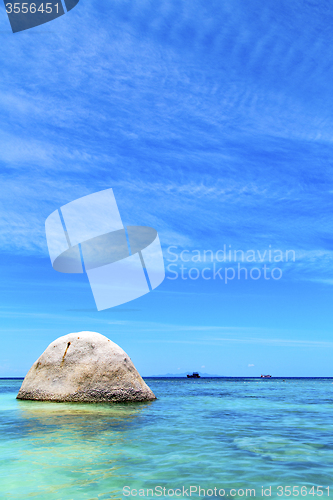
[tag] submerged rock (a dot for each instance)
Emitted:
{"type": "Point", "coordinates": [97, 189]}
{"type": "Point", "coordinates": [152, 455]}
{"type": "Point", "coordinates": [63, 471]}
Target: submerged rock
{"type": "Point", "coordinates": [87, 367]}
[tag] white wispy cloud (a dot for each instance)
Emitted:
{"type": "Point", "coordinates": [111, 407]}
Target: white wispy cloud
{"type": "Point", "coordinates": [261, 341]}
{"type": "Point", "coordinates": [197, 117]}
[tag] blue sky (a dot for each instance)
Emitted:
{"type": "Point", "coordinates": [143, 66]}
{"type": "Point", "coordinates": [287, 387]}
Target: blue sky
{"type": "Point", "coordinates": [212, 122]}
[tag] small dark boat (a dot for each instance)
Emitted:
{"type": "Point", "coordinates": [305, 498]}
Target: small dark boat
{"type": "Point", "coordinates": [265, 376]}
{"type": "Point", "coordinates": [194, 375]}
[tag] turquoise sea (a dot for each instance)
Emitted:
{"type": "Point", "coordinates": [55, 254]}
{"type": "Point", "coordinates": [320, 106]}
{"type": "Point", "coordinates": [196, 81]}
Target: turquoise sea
{"type": "Point", "coordinates": [230, 434]}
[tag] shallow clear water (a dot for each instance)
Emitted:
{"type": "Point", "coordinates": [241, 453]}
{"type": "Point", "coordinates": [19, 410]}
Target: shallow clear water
{"type": "Point", "coordinates": [223, 433]}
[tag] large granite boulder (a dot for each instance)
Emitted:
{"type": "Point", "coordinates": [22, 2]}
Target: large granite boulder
{"type": "Point", "coordinates": [84, 366]}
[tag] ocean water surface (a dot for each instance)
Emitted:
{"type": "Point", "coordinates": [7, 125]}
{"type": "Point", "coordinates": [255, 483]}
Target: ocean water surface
{"type": "Point", "coordinates": [230, 434]}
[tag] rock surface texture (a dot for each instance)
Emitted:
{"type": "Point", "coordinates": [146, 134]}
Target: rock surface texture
{"type": "Point", "coordinates": [87, 367]}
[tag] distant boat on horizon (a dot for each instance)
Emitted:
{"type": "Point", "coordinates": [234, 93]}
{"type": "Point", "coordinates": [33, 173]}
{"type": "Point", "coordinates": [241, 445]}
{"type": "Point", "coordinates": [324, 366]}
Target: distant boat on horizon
{"type": "Point", "coordinates": [194, 375]}
{"type": "Point", "coordinates": [265, 376]}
